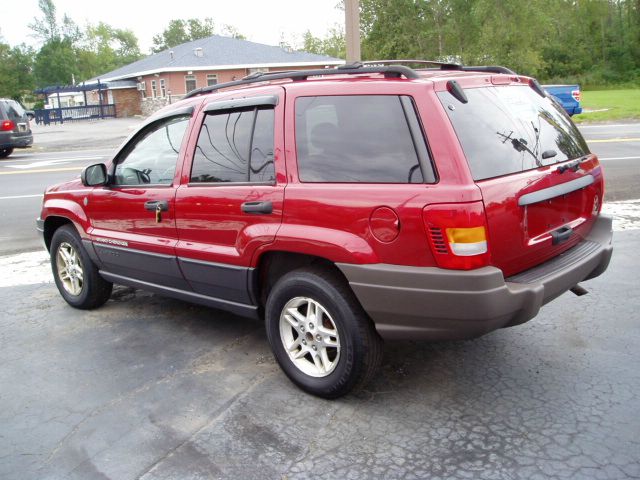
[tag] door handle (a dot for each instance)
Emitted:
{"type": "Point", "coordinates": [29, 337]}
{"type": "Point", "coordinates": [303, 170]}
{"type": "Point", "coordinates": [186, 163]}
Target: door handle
{"type": "Point", "coordinates": [257, 207]}
{"type": "Point", "coordinates": [156, 205]}
{"type": "Point", "coordinates": [561, 235]}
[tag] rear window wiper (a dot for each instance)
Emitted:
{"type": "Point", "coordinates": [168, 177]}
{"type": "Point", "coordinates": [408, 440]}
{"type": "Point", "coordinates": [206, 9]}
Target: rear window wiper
{"type": "Point", "coordinates": [520, 145]}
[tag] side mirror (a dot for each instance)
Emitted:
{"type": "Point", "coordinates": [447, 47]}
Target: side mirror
{"type": "Point", "coordinates": [94, 175]}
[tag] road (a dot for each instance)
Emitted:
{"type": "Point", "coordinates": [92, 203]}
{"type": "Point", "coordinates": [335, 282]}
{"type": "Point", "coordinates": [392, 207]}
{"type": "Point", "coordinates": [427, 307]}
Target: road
{"type": "Point", "coordinates": [24, 176]}
{"type": "Point", "coordinates": [618, 147]}
{"type": "Point", "coordinates": [151, 388]}
{"type": "Point", "coordinates": [23, 179]}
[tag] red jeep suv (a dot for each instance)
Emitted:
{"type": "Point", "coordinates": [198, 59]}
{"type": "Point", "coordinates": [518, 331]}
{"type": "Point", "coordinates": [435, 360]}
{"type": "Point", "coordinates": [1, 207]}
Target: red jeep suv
{"type": "Point", "coordinates": [345, 206]}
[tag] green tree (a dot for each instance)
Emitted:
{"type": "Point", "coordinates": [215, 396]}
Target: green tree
{"type": "Point", "coordinates": [16, 79]}
{"type": "Point", "coordinates": [106, 48]}
{"type": "Point", "coordinates": [56, 63]}
{"type": "Point", "coordinates": [182, 31]}
{"type": "Point", "coordinates": [333, 44]}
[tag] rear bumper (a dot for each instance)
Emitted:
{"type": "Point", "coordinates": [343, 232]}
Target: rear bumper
{"type": "Point", "coordinates": [15, 140]}
{"type": "Point", "coordinates": [436, 304]}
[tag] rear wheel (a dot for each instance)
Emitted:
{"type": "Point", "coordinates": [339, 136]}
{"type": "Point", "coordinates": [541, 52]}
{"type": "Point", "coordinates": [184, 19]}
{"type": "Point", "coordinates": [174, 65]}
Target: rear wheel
{"type": "Point", "coordinates": [319, 334]}
{"type": "Point", "coordinates": [5, 152]}
{"type": "Point", "coordinates": [76, 276]}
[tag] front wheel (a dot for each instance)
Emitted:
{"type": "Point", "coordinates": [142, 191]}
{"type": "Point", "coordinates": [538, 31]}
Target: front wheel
{"type": "Point", "coordinates": [76, 276]}
{"type": "Point", "coordinates": [319, 334]}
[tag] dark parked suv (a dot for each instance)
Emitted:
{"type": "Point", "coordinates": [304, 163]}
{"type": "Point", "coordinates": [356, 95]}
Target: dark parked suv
{"type": "Point", "coordinates": [15, 131]}
{"type": "Point", "coordinates": [344, 206]}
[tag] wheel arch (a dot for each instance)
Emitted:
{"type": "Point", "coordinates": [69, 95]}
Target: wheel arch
{"type": "Point", "coordinates": [51, 224]}
{"type": "Point", "coordinates": [273, 265]}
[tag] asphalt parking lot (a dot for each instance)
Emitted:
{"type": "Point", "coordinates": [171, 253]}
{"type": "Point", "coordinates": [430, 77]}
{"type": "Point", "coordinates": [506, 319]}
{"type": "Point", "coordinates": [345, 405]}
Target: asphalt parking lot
{"type": "Point", "coordinates": [152, 388]}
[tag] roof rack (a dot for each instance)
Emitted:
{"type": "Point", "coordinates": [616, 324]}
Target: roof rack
{"type": "Point", "coordinates": [441, 65]}
{"type": "Point", "coordinates": [445, 66]}
{"type": "Point", "coordinates": [391, 71]}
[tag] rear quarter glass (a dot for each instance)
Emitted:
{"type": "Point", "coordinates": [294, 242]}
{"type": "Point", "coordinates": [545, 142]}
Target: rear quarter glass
{"type": "Point", "coordinates": [359, 139]}
{"type": "Point", "coordinates": [506, 129]}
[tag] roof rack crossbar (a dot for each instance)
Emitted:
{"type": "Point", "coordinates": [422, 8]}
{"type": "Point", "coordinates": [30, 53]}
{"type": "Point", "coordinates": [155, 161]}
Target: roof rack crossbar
{"type": "Point", "coordinates": [393, 71]}
{"type": "Point", "coordinates": [442, 65]}
{"type": "Point", "coordinates": [489, 69]}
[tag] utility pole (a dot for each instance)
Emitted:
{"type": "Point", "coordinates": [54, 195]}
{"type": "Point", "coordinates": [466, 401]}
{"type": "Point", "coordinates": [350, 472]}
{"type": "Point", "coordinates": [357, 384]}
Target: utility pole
{"type": "Point", "coordinates": [352, 29]}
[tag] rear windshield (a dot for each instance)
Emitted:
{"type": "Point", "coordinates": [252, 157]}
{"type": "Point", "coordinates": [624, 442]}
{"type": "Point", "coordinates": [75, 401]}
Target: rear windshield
{"type": "Point", "coordinates": [12, 108]}
{"type": "Point", "coordinates": [511, 129]}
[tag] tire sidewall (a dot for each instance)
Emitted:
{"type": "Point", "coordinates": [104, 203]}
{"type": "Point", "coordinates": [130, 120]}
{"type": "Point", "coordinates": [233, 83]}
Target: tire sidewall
{"type": "Point", "coordinates": [306, 284]}
{"type": "Point", "coordinates": [65, 234]}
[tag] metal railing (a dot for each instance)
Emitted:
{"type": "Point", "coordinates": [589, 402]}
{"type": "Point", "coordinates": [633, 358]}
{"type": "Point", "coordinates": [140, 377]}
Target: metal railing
{"type": "Point", "coordinates": [46, 116]}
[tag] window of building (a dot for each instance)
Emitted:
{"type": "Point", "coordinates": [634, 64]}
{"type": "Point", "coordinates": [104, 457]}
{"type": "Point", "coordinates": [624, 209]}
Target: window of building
{"type": "Point", "coordinates": [189, 83]}
{"type": "Point", "coordinates": [235, 146]}
{"type": "Point", "coordinates": [152, 157]}
{"type": "Point", "coordinates": [212, 79]}
{"type": "Point", "coordinates": [360, 139]}
{"type": "Point", "coordinates": [163, 88]}
{"type": "Point", "coordinates": [256, 70]}
{"type": "Point", "coordinates": [154, 89]}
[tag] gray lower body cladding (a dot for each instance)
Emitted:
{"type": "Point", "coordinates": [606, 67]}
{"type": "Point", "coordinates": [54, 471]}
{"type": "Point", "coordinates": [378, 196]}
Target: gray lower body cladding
{"type": "Point", "coordinates": [15, 140]}
{"type": "Point", "coordinates": [435, 304]}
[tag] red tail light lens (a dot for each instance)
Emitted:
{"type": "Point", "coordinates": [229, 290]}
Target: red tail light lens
{"type": "Point", "coordinates": [7, 126]}
{"type": "Point", "coordinates": [458, 235]}
{"type": "Point", "coordinates": [577, 95]}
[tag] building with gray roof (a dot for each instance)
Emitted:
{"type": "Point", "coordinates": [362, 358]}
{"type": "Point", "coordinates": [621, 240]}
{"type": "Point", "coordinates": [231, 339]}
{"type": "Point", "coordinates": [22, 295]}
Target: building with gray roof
{"type": "Point", "coordinates": [150, 83]}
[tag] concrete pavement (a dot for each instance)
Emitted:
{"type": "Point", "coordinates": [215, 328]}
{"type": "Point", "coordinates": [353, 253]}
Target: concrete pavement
{"type": "Point", "coordinates": [152, 388]}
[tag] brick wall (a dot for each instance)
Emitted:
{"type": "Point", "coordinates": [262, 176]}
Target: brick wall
{"type": "Point", "coordinates": [128, 102]}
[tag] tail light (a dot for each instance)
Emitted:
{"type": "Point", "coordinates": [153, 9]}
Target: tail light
{"type": "Point", "coordinates": [7, 126]}
{"type": "Point", "coordinates": [577, 95]}
{"type": "Point", "coordinates": [458, 235]}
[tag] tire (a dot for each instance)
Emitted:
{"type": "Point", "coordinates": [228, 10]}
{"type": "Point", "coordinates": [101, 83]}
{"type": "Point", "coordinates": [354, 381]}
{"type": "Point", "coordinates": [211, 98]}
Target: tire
{"type": "Point", "coordinates": [5, 152]}
{"type": "Point", "coordinates": [336, 355]}
{"type": "Point", "coordinates": [76, 276]}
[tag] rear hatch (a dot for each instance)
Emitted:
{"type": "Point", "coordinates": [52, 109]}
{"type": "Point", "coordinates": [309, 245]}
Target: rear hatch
{"type": "Point", "coordinates": [14, 118]}
{"type": "Point", "coordinates": [541, 187]}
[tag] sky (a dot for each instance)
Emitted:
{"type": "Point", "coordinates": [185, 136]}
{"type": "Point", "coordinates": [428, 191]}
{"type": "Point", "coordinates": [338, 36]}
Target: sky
{"type": "Point", "coordinates": [262, 21]}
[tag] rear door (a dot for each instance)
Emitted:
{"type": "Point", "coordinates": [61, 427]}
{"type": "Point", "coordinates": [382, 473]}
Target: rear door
{"type": "Point", "coordinates": [541, 187]}
{"type": "Point", "coordinates": [231, 199]}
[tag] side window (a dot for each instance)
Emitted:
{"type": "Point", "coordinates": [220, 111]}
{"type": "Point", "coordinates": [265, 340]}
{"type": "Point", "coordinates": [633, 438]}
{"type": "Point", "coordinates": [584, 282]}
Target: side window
{"type": "Point", "coordinates": [152, 158]}
{"type": "Point", "coordinates": [236, 147]}
{"type": "Point", "coordinates": [358, 138]}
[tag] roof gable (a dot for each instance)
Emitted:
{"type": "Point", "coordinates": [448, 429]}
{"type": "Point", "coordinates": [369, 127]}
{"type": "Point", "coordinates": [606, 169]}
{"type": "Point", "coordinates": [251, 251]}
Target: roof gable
{"type": "Point", "coordinates": [217, 53]}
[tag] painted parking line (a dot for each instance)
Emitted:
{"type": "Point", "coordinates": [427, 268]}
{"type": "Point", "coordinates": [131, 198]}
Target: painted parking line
{"type": "Point", "coordinates": [16, 197]}
{"type": "Point", "coordinates": [619, 125]}
{"type": "Point", "coordinates": [614, 140]}
{"type": "Point", "coordinates": [45, 170]}
{"type": "Point", "coordinates": [50, 162]}
{"type": "Point", "coordinates": [618, 158]}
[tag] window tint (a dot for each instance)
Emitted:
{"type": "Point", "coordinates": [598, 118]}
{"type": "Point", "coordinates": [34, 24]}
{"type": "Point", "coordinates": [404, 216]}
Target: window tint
{"type": "Point", "coordinates": [153, 157]}
{"type": "Point", "coordinates": [262, 168]}
{"type": "Point", "coordinates": [235, 147]}
{"type": "Point", "coordinates": [362, 138]}
{"type": "Point", "coordinates": [12, 109]}
{"type": "Point", "coordinates": [506, 130]}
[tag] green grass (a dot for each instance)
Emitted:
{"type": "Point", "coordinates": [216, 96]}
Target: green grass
{"type": "Point", "coordinates": [620, 104]}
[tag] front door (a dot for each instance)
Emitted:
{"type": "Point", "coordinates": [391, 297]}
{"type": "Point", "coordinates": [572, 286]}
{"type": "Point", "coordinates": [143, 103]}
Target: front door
{"type": "Point", "coordinates": [133, 218]}
{"type": "Point", "coordinates": [231, 198]}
